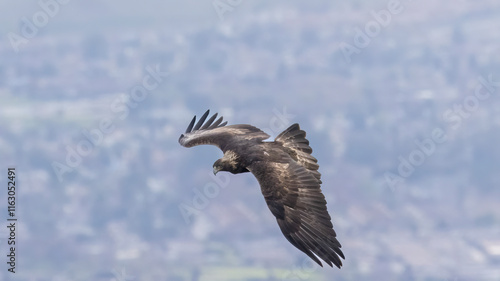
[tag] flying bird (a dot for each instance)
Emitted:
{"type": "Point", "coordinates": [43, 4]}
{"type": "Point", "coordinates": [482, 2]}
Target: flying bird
{"type": "Point", "coordinates": [288, 176]}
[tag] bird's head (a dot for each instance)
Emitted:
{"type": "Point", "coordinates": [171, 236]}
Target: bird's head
{"type": "Point", "coordinates": [228, 164]}
{"type": "Point", "coordinates": [218, 166]}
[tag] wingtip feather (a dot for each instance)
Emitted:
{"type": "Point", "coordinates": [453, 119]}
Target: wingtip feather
{"type": "Point", "coordinates": [190, 127]}
{"type": "Point", "coordinates": [209, 122]}
{"type": "Point", "coordinates": [200, 126]}
{"type": "Point", "coordinates": [202, 119]}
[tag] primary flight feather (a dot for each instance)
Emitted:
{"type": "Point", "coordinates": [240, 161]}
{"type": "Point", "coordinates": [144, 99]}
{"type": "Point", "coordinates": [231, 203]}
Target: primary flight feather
{"type": "Point", "coordinates": [288, 176]}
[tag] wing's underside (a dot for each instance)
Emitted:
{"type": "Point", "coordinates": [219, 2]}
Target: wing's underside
{"type": "Point", "coordinates": [294, 197]}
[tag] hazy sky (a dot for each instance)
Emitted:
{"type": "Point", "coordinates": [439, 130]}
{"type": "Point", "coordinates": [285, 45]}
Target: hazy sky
{"type": "Point", "coordinates": [101, 14]}
{"type": "Point", "coordinates": [98, 15]}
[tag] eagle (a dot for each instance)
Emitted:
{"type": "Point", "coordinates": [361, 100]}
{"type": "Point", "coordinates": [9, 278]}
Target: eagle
{"type": "Point", "coordinates": [288, 176]}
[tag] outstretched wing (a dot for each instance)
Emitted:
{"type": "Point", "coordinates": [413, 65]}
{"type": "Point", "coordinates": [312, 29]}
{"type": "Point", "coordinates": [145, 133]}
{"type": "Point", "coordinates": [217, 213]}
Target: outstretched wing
{"type": "Point", "coordinates": [293, 195]}
{"type": "Point", "coordinates": [217, 133]}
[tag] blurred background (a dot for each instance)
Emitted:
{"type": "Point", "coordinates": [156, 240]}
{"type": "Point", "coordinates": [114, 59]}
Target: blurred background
{"type": "Point", "coordinates": [400, 101]}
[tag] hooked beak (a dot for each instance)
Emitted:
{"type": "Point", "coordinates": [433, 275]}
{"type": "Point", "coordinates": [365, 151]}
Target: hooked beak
{"type": "Point", "coordinates": [215, 171]}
